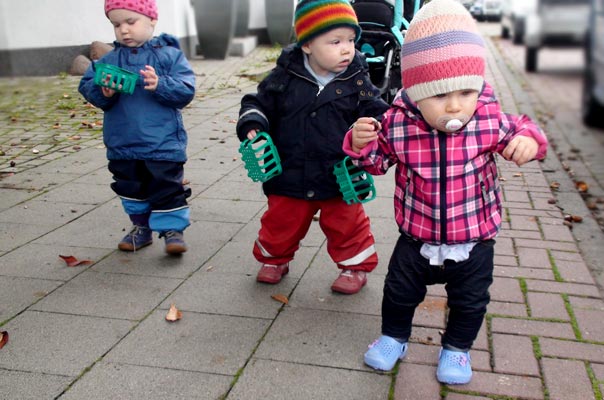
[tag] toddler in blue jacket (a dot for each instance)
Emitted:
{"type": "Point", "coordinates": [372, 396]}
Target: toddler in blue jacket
{"type": "Point", "coordinates": [143, 131]}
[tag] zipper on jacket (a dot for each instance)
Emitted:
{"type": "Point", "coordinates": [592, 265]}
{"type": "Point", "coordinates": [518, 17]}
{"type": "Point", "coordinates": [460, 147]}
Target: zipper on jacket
{"type": "Point", "coordinates": [315, 82]}
{"type": "Point", "coordinates": [442, 148]}
{"type": "Point", "coordinates": [485, 199]}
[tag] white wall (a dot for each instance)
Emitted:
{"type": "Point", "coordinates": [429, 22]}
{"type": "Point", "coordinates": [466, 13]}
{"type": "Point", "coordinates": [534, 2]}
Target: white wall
{"type": "Point", "coordinates": [28, 24]}
{"type": "Point", "coordinates": [257, 15]}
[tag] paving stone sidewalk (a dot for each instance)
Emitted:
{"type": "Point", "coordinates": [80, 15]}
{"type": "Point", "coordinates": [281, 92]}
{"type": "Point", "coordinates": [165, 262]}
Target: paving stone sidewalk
{"type": "Point", "coordinates": [98, 331]}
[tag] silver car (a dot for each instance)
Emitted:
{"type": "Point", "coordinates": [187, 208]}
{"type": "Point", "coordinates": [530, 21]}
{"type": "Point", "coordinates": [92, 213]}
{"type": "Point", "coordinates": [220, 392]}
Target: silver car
{"type": "Point", "coordinates": [513, 18]}
{"type": "Point", "coordinates": [593, 82]}
{"type": "Point", "coordinates": [554, 23]}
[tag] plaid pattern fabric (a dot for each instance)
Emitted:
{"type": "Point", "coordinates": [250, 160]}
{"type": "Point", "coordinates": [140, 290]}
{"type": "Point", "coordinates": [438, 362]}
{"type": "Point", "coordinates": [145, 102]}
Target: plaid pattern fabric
{"type": "Point", "coordinates": [447, 190]}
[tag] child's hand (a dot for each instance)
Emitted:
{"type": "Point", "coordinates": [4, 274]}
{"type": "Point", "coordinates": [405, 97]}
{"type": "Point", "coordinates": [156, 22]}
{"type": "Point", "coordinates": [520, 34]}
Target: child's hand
{"type": "Point", "coordinates": [107, 92]}
{"type": "Point", "coordinates": [252, 134]}
{"type": "Point", "coordinates": [521, 149]}
{"type": "Point", "coordinates": [364, 131]}
{"type": "Point", "coordinates": [150, 78]}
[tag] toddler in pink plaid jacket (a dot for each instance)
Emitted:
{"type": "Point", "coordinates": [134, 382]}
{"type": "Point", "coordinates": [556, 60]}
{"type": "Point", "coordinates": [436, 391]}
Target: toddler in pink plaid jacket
{"type": "Point", "coordinates": [442, 133]}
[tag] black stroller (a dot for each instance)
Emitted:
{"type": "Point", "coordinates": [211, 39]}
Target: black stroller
{"type": "Point", "coordinates": [384, 23]}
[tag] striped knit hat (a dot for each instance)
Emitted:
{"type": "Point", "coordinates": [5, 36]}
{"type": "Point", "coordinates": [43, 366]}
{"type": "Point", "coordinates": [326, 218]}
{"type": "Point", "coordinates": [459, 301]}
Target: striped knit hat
{"type": "Point", "coordinates": [443, 51]}
{"type": "Point", "coordinates": [315, 17]}
{"type": "Point", "coordinates": [144, 7]}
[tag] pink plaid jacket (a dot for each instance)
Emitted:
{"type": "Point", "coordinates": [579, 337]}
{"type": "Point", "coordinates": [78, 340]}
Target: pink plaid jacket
{"type": "Point", "coordinates": [447, 190]}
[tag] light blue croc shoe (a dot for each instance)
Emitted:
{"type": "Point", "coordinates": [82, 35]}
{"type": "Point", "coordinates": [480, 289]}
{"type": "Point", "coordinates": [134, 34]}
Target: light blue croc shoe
{"type": "Point", "coordinates": [384, 353]}
{"type": "Point", "coordinates": [454, 367]}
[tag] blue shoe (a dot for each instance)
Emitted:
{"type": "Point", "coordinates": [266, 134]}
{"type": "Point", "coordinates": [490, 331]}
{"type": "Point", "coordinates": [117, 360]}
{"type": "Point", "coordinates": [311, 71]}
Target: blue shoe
{"type": "Point", "coordinates": [454, 367]}
{"type": "Point", "coordinates": [384, 353]}
{"type": "Point", "coordinates": [175, 243]}
{"type": "Point", "coordinates": [137, 238]}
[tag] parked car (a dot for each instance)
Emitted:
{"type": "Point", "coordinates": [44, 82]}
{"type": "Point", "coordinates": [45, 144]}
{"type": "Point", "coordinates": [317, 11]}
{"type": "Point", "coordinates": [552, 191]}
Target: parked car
{"type": "Point", "coordinates": [476, 10]}
{"type": "Point", "coordinates": [592, 106]}
{"type": "Point", "coordinates": [513, 18]}
{"type": "Point", "coordinates": [554, 23]}
{"type": "Point", "coordinates": [486, 10]}
{"type": "Point", "coordinates": [467, 3]}
{"type": "Point", "coordinates": [491, 10]}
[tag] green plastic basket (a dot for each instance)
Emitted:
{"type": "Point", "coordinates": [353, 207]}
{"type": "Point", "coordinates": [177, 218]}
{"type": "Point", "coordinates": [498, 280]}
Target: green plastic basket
{"type": "Point", "coordinates": [115, 78]}
{"type": "Point", "coordinates": [356, 185]}
{"type": "Point", "coordinates": [260, 157]}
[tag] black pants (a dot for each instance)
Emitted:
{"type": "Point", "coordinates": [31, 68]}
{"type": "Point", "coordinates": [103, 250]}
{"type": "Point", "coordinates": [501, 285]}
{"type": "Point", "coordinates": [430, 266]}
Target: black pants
{"type": "Point", "coordinates": [157, 182]}
{"type": "Point", "coordinates": [467, 285]}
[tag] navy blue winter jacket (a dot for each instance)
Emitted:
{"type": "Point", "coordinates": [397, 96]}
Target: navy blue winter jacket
{"type": "Point", "coordinates": [308, 128]}
{"type": "Point", "coordinates": [145, 125]}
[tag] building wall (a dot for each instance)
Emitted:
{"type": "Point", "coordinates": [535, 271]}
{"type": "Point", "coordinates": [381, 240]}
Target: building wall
{"type": "Point", "coordinates": [42, 37]}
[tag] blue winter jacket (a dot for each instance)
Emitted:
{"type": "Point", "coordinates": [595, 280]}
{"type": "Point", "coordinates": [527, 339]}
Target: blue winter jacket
{"type": "Point", "coordinates": [145, 125]}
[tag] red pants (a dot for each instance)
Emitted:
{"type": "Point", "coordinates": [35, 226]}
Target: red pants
{"type": "Point", "coordinates": [350, 242]}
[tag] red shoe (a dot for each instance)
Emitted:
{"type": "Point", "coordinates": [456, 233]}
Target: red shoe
{"type": "Point", "coordinates": [349, 282]}
{"type": "Point", "coordinates": [270, 273]}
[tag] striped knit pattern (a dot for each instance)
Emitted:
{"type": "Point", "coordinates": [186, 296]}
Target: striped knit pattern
{"type": "Point", "coordinates": [315, 17]}
{"type": "Point", "coordinates": [144, 7]}
{"type": "Point", "coordinates": [443, 51]}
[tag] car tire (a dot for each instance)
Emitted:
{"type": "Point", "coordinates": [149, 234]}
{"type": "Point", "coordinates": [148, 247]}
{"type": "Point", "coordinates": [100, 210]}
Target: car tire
{"type": "Point", "coordinates": [505, 32]}
{"type": "Point", "coordinates": [530, 60]}
{"type": "Point", "coordinates": [591, 110]}
{"type": "Point", "coordinates": [518, 36]}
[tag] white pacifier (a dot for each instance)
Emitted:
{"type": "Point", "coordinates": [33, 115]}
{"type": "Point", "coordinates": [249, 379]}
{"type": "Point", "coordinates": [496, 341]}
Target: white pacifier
{"type": "Point", "coordinates": [453, 125]}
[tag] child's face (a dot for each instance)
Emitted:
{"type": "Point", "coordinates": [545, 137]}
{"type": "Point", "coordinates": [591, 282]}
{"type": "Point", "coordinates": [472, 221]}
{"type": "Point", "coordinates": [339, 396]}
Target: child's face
{"type": "Point", "coordinates": [332, 51]}
{"type": "Point", "coordinates": [131, 28]}
{"type": "Point", "coordinates": [449, 112]}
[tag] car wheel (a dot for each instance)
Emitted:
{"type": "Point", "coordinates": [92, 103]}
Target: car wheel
{"type": "Point", "coordinates": [518, 33]}
{"type": "Point", "coordinates": [530, 61]}
{"type": "Point", "coordinates": [505, 32]}
{"type": "Point", "coordinates": [591, 110]}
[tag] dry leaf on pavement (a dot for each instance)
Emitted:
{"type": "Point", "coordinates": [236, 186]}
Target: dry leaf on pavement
{"type": "Point", "coordinates": [280, 297]}
{"type": "Point", "coordinates": [3, 338]}
{"type": "Point", "coordinates": [71, 261]}
{"type": "Point", "coordinates": [582, 187]}
{"type": "Point", "coordinates": [174, 314]}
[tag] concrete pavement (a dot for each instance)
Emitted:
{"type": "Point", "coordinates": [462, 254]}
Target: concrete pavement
{"type": "Point", "coordinates": [98, 331]}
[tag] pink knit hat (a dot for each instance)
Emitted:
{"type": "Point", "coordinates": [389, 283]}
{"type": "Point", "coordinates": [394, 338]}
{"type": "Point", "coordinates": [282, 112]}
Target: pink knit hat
{"type": "Point", "coordinates": [145, 7]}
{"type": "Point", "coordinates": [443, 51]}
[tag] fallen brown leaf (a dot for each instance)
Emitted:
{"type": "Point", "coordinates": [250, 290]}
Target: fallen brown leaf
{"type": "Point", "coordinates": [71, 261]}
{"type": "Point", "coordinates": [554, 185]}
{"type": "Point", "coordinates": [518, 174]}
{"type": "Point", "coordinates": [3, 338]}
{"type": "Point", "coordinates": [174, 314]}
{"type": "Point", "coordinates": [582, 187]}
{"type": "Point", "coordinates": [577, 218]}
{"type": "Point", "coordinates": [281, 298]}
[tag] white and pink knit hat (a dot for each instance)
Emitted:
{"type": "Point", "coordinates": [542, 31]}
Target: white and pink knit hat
{"type": "Point", "coordinates": [443, 51]}
{"type": "Point", "coordinates": [144, 7]}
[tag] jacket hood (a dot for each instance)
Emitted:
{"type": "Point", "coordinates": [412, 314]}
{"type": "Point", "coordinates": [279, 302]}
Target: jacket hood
{"type": "Point", "coordinates": [292, 59]}
{"type": "Point", "coordinates": [163, 40]}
